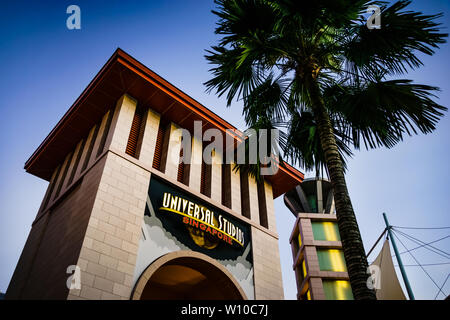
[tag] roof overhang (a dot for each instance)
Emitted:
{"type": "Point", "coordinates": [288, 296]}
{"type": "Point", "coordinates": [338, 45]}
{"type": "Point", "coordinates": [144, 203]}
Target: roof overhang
{"type": "Point", "coordinates": [123, 74]}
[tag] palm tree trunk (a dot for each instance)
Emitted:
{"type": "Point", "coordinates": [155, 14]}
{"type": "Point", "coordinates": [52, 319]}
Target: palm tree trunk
{"type": "Point", "coordinates": [352, 245]}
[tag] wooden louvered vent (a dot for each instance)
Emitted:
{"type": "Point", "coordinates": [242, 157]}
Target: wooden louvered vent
{"type": "Point", "coordinates": [205, 182]}
{"type": "Point", "coordinates": [245, 197]}
{"type": "Point", "coordinates": [180, 175]}
{"type": "Point", "coordinates": [133, 138]}
{"type": "Point", "coordinates": [262, 205]}
{"type": "Point", "coordinates": [203, 178]}
{"type": "Point", "coordinates": [158, 148]}
{"type": "Point", "coordinates": [226, 184]}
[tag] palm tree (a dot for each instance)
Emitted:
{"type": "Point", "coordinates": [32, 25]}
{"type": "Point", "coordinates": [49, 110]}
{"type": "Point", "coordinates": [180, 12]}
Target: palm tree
{"type": "Point", "coordinates": [314, 70]}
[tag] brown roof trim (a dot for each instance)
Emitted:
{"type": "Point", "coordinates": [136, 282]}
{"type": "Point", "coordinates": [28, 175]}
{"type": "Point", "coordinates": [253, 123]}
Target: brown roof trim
{"type": "Point", "coordinates": [131, 63]}
{"type": "Point", "coordinates": [182, 97]}
{"type": "Point", "coordinates": [128, 61]}
{"type": "Point", "coordinates": [71, 110]}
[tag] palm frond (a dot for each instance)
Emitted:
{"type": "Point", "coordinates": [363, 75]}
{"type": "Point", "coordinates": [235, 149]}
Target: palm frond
{"type": "Point", "coordinates": [228, 77]}
{"type": "Point", "coordinates": [271, 49]}
{"type": "Point", "coordinates": [266, 101]}
{"type": "Point", "coordinates": [303, 143]}
{"type": "Point", "coordinates": [240, 19]}
{"type": "Point", "coordinates": [382, 113]}
{"type": "Point", "coordinates": [393, 48]}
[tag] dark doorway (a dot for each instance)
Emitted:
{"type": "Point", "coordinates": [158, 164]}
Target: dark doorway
{"type": "Point", "coordinates": [187, 278]}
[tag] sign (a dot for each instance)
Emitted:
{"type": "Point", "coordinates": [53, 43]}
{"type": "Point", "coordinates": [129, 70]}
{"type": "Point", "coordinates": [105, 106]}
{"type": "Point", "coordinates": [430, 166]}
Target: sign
{"type": "Point", "coordinates": [176, 220]}
{"type": "Point", "coordinates": [197, 224]}
{"type": "Point", "coordinates": [201, 218]}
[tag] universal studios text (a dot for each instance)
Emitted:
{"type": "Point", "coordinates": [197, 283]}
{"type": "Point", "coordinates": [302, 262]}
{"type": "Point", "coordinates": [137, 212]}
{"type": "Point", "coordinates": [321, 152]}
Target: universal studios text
{"type": "Point", "coordinates": [234, 147]}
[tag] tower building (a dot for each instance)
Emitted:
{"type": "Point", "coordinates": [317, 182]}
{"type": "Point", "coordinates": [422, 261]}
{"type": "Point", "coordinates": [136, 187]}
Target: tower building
{"type": "Point", "coordinates": [124, 218]}
{"type": "Point", "coordinates": [318, 258]}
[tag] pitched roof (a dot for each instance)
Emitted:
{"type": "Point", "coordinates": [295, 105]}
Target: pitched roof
{"type": "Point", "coordinates": [124, 74]}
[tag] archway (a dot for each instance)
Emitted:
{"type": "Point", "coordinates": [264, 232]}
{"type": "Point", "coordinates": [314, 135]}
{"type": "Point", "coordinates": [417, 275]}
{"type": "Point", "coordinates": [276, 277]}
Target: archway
{"type": "Point", "coordinates": [187, 275]}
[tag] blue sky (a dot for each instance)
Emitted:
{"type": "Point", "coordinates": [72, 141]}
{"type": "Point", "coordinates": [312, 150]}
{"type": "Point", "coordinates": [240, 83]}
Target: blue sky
{"type": "Point", "coordinates": [45, 67]}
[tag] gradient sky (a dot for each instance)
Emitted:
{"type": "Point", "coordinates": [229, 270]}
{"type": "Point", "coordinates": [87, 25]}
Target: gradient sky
{"type": "Point", "coordinates": [45, 67]}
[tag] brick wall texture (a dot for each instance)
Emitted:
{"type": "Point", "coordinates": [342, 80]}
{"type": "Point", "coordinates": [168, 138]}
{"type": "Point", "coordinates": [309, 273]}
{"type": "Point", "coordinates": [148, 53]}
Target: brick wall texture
{"type": "Point", "coordinates": [94, 220]}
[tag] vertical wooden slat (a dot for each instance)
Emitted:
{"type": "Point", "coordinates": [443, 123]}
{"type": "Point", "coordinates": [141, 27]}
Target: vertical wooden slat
{"type": "Point", "coordinates": [205, 182]}
{"type": "Point", "coordinates": [133, 138]}
{"type": "Point", "coordinates": [105, 133]}
{"type": "Point", "coordinates": [180, 174]}
{"type": "Point", "coordinates": [158, 147]}
{"type": "Point", "coordinates": [202, 178]}
{"type": "Point", "coordinates": [262, 206]}
{"type": "Point", "coordinates": [226, 184]}
{"type": "Point", "coordinates": [52, 187]}
{"type": "Point", "coordinates": [245, 197]}
{"type": "Point", "coordinates": [77, 162]}
{"type": "Point", "coordinates": [63, 178]}
{"type": "Point", "coordinates": [91, 146]}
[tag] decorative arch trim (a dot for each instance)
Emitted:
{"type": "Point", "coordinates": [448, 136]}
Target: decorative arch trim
{"type": "Point", "coordinates": [161, 261]}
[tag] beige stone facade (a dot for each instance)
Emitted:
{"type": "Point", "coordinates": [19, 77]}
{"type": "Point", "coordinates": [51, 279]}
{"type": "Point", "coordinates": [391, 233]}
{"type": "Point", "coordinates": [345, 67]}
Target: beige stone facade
{"type": "Point", "coordinates": [112, 226]}
{"type": "Point", "coordinates": [93, 211]}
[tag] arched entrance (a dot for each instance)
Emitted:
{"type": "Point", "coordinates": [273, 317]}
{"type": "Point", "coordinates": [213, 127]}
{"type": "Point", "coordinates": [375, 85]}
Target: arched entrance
{"type": "Point", "coordinates": [187, 275]}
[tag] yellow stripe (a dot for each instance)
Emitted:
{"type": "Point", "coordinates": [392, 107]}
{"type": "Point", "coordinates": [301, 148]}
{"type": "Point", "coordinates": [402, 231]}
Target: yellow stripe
{"type": "Point", "coordinates": [308, 295]}
{"type": "Point", "coordinates": [341, 287]}
{"type": "Point", "coordinates": [304, 268]}
{"type": "Point", "coordinates": [330, 231]}
{"type": "Point", "coordinates": [196, 219]}
{"type": "Point", "coordinates": [336, 260]}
